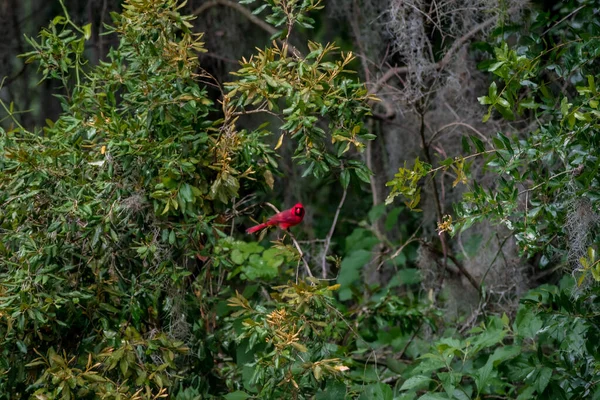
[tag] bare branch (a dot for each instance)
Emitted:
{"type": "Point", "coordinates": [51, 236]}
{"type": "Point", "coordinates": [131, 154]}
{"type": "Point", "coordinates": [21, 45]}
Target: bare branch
{"type": "Point", "coordinates": [458, 123]}
{"type": "Point", "coordinates": [330, 234]}
{"type": "Point", "coordinates": [549, 179]}
{"type": "Point", "coordinates": [271, 30]}
{"type": "Point", "coordinates": [239, 8]}
{"type": "Point", "coordinates": [565, 18]}
{"type": "Point", "coordinates": [272, 206]}
{"type": "Point", "coordinates": [306, 267]}
{"type": "Point", "coordinates": [458, 264]}
{"type": "Point", "coordinates": [410, 240]}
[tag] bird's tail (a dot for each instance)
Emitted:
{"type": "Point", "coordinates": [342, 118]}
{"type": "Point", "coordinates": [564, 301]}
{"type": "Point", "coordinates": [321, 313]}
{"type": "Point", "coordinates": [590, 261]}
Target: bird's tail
{"type": "Point", "coordinates": [257, 228]}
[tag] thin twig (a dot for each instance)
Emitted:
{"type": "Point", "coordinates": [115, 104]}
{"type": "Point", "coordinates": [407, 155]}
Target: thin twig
{"type": "Point", "coordinates": [549, 179]}
{"type": "Point", "coordinates": [306, 267]}
{"type": "Point", "coordinates": [466, 273]}
{"type": "Point", "coordinates": [256, 111]}
{"type": "Point", "coordinates": [458, 264]}
{"type": "Point", "coordinates": [311, 241]}
{"type": "Point", "coordinates": [9, 80]}
{"type": "Point", "coordinates": [330, 234]}
{"type": "Point", "coordinates": [481, 135]}
{"type": "Point", "coordinates": [8, 112]}
{"type": "Point", "coordinates": [563, 19]}
{"type": "Point", "coordinates": [436, 195]}
{"type": "Point", "coordinates": [412, 337]}
{"type": "Point", "coordinates": [272, 206]}
{"type": "Point", "coordinates": [246, 13]}
{"type": "Point", "coordinates": [410, 240]}
{"type": "Point", "coordinates": [495, 258]}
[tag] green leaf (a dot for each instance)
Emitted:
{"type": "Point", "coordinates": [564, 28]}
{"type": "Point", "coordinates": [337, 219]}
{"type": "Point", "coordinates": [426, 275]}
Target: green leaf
{"type": "Point", "coordinates": [478, 143]}
{"type": "Point", "coordinates": [408, 276]}
{"type": "Point", "coordinates": [237, 395]}
{"type": "Point", "coordinates": [59, 20]}
{"type": "Point", "coordinates": [238, 257]}
{"type": "Point", "coordinates": [416, 382]}
{"type": "Point", "coordinates": [543, 378]}
{"type": "Point", "coordinates": [376, 212]}
{"type": "Point", "coordinates": [483, 375]}
{"type": "Point", "coordinates": [21, 346]}
{"type": "Point", "coordinates": [527, 393]}
{"type": "Point", "coordinates": [350, 269]}
{"type": "Point", "coordinates": [363, 175]}
{"type": "Point", "coordinates": [527, 323]}
{"type": "Point", "coordinates": [186, 192]}
{"type": "Point", "coordinates": [487, 116]}
{"type": "Point", "coordinates": [492, 91]}
{"type": "Point", "coordinates": [377, 391]}
{"type": "Point", "coordinates": [333, 391]}
{"type": "Point", "coordinates": [466, 148]}
{"type": "Point", "coordinates": [87, 31]}
{"type": "Point", "coordinates": [449, 381]}
{"type": "Point", "coordinates": [345, 178]}
{"type": "Point", "coordinates": [484, 100]}
{"type": "Point", "coordinates": [505, 110]}
{"type": "Point", "coordinates": [308, 170]}
{"type": "Point", "coordinates": [504, 353]}
{"type": "Point", "coordinates": [258, 10]}
{"type": "Point", "coordinates": [391, 220]}
{"type": "Point", "coordinates": [433, 396]}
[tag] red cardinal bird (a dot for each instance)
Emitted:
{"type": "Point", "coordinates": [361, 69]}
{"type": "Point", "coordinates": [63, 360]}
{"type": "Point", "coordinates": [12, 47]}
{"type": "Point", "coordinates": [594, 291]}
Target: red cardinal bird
{"type": "Point", "coordinates": [284, 219]}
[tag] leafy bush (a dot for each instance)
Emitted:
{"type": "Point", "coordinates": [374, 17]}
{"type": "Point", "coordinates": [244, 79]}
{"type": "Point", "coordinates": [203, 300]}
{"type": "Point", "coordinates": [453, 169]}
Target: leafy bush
{"type": "Point", "coordinates": [116, 218]}
{"type": "Point", "coordinates": [125, 275]}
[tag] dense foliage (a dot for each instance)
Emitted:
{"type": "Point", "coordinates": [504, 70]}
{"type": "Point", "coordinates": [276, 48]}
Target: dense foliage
{"type": "Point", "coordinates": [546, 194]}
{"type": "Point", "coordinates": [125, 272]}
{"type": "Point", "coordinates": [116, 218]}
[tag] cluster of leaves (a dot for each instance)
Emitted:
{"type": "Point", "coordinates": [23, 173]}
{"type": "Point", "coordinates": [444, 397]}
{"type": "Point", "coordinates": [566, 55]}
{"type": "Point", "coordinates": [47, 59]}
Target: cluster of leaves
{"type": "Point", "coordinates": [310, 92]}
{"type": "Point", "coordinates": [115, 261]}
{"type": "Point", "coordinates": [287, 13]}
{"type": "Point", "coordinates": [60, 49]}
{"type": "Point", "coordinates": [554, 167]}
{"type": "Point", "coordinates": [252, 262]}
{"type": "Point", "coordinates": [406, 183]}
{"type": "Point", "coordinates": [302, 345]}
{"type": "Point", "coordinates": [278, 339]}
{"type": "Point", "coordinates": [547, 352]}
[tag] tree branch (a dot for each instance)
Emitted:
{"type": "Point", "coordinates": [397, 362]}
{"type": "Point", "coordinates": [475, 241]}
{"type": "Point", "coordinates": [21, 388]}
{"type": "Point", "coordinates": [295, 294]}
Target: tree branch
{"type": "Point", "coordinates": [271, 30]}
{"type": "Point", "coordinates": [409, 241]}
{"type": "Point", "coordinates": [457, 123]}
{"type": "Point", "coordinates": [458, 264]}
{"type": "Point", "coordinates": [306, 267]}
{"type": "Point", "coordinates": [330, 234]}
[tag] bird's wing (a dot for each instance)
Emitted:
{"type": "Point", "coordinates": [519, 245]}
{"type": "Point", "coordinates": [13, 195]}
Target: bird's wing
{"type": "Point", "coordinates": [284, 216]}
